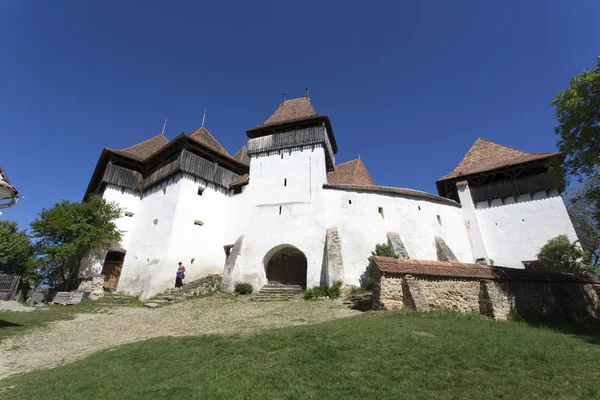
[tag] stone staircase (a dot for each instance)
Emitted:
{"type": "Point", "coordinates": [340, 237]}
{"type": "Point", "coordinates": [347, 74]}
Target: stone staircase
{"type": "Point", "coordinates": [278, 292]}
{"type": "Point", "coordinates": [203, 286]}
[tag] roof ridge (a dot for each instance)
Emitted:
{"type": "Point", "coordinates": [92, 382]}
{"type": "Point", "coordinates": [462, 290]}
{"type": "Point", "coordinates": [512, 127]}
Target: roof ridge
{"type": "Point", "coordinates": [147, 140]}
{"type": "Point", "coordinates": [503, 145]}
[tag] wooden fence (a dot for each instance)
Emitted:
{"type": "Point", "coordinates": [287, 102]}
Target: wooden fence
{"type": "Point", "coordinates": [8, 286]}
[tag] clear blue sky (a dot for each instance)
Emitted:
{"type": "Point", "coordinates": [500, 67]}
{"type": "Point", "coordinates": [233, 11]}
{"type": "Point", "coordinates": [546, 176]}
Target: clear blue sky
{"type": "Point", "coordinates": [408, 85]}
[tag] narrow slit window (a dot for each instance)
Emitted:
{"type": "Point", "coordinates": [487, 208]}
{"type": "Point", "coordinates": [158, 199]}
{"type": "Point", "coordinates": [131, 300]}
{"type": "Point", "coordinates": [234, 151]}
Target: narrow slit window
{"type": "Point", "coordinates": [198, 222]}
{"type": "Point", "coordinates": [349, 201]}
{"type": "Point", "coordinates": [381, 212]}
{"type": "Point", "coordinates": [419, 208]}
{"type": "Point", "coordinates": [284, 181]}
{"type": "Point", "coordinates": [165, 191]}
{"type": "Point", "coordinates": [439, 220]}
{"type": "Point", "coordinates": [279, 210]}
{"type": "Point", "coordinates": [200, 191]}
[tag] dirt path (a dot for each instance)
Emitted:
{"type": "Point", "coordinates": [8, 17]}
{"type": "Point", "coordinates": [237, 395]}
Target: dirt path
{"type": "Point", "coordinates": [66, 341]}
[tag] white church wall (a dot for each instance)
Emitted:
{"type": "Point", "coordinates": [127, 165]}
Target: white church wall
{"type": "Point", "coordinates": [145, 258]}
{"type": "Point", "coordinates": [199, 247]}
{"type": "Point", "coordinates": [361, 226]}
{"type": "Point", "coordinates": [514, 229]}
{"type": "Point", "coordinates": [270, 213]}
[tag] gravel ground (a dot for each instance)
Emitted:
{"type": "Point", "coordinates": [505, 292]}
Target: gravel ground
{"type": "Point", "coordinates": [66, 341]}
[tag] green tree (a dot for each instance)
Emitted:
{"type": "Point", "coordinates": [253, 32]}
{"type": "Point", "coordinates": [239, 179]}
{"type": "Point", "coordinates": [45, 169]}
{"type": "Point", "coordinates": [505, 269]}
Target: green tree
{"type": "Point", "coordinates": [578, 114]}
{"type": "Point", "coordinates": [587, 226]}
{"type": "Point", "coordinates": [16, 253]}
{"type": "Point", "coordinates": [69, 232]}
{"type": "Point", "coordinates": [381, 250]}
{"type": "Point", "coordinates": [562, 255]}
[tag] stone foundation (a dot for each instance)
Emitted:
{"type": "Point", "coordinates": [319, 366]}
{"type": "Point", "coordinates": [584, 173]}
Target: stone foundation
{"type": "Point", "coordinates": [94, 285]}
{"type": "Point", "coordinates": [493, 291]}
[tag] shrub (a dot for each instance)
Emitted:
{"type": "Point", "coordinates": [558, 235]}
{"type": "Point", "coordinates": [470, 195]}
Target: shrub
{"type": "Point", "coordinates": [381, 250]}
{"type": "Point", "coordinates": [562, 255]}
{"type": "Point", "coordinates": [243, 288]}
{"type": "Point", "coordinates": [333, 292]}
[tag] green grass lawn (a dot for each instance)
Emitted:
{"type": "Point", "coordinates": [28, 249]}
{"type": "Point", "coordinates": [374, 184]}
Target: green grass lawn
{"type": "Point", "coordinates": [371, 356]}
{"type": "Point", "coordinates": [18, 323]}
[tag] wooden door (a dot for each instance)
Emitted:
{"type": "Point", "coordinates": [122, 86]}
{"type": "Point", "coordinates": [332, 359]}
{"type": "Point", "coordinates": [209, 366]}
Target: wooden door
{"type": "Point", "coordinates": [112, 273]}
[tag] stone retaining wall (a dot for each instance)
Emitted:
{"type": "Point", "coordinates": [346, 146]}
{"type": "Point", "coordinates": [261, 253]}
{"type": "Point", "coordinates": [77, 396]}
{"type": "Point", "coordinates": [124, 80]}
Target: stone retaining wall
{"type": "Point", "coordinates": [493, 291]}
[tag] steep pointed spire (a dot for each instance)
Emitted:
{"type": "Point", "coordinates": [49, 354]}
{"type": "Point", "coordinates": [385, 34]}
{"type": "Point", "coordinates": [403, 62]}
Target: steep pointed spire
{"type": "Point", "coordinates": [203, 136]}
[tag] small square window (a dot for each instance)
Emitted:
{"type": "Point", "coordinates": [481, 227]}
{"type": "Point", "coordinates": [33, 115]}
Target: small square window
{"type": "Point", "coordinates": [349, 201]}
{"type": "Point", "coordinates": [155, 222]}
{"type": "Point", "coordinates": [200, 191]}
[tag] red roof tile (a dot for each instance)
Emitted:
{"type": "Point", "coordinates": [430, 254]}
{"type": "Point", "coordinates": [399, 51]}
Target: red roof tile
{"type": "Point", "coordinates": [202, 136]}
{"type": "Point", "coordinates": [469, 271]}
{"type": "Point", "coordinates": [486, 155]}
{"type": "Point", "coordinates": [143, 150]}
{"type": "Point", "coordinates": [350, 173]}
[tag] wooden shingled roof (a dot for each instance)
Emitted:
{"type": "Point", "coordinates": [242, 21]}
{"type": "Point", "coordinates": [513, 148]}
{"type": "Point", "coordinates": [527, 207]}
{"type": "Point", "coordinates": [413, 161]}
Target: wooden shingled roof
{"type": "Point", "coordinates": [290, 111]}
{"type": "Point", "coordinates": [203, 136]}
{"type": "Point", "coordinates": [351, 172]}
{"type": "Point", "coordinates": [242, 156]}
{"type": "Point", "coordinates": [143, 150]}
{"type": "Point", "coordinates": [486, 155]}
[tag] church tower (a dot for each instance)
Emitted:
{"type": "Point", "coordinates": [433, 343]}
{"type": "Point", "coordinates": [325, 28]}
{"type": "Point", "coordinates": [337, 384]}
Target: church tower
{"type": "Point", "coordinates": [291, 153]}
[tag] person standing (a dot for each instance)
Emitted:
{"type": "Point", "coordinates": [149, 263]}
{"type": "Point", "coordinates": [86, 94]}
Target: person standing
{"type": "Point", "coordinates": [180, 275]}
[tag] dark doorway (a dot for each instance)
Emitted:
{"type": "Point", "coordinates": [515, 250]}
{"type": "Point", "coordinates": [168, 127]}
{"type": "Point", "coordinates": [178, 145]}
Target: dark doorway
{"type": "Point", "coordinates": [113, 263]}
{"type": "Point", "coordinates": [287, 267]}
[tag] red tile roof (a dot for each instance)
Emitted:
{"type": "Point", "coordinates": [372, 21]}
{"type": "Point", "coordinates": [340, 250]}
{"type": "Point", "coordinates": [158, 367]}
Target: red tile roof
{"type": "Point", "coordinates": [469, 271]}
{"type": "Point", "coordinates": [143, 150]}
{"type": "Point", "coordinates": [350, 173]}
{"type": "Point", "coordinates": [486, 155]}
{"type": "Point", "coordinates": [202, 136]}
{"type": "Point", "coordinates": [242, 156]}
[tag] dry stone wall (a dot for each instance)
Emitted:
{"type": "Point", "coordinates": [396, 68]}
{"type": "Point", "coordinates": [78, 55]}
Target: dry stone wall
{"type": "Point", "coordinates": [427, 285]}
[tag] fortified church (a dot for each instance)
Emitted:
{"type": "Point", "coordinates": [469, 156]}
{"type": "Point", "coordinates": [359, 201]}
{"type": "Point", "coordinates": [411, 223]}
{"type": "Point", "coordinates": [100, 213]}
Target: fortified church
{"type": "Point", "coordinates": [281, 210]}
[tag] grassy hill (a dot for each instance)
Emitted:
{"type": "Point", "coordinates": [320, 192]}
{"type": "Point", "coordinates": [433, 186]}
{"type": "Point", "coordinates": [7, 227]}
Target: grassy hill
{"type": "Point", "coordinates": [391, 355]}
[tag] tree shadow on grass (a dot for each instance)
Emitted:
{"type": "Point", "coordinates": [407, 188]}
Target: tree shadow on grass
{"type": "Point", "coordinates": [7, 324]}
{"type": "Point", "coordinates": [587, 330]}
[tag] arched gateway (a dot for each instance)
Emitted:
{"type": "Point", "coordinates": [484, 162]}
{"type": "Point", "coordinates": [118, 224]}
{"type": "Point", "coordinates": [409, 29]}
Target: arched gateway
{"type": "Point", "coordinates": [286, 265]}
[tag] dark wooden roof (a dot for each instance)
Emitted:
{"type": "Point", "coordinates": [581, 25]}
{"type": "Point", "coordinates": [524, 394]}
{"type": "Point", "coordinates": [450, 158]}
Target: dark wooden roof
{"type": "Point", "coordinates": [203, 136]}
{"type": "Point", "coordinates": [292, 113]}
{"type": "Point", "coordinates": [143, 150]}
{"type": "Point", "coordinates": [242, 155]}
{"type": "Point", "coordinates": [241, 181]}
{"type": "Point", "coordinates": [486, 155]}
{"type": "Point", "coordinates": [470, 271]}
{"type": "Point", "coordinates": [393, 191]}
{"type": "Point", "coordinates": [351, 172]}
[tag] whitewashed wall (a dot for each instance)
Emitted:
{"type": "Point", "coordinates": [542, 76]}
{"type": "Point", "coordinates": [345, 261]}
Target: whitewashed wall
{"type": "Point", "coordinates": [516, 230]}
{"type": "Point", "coordinates": [361, 227]}
{"type": "Point", "coordinates": [301, 223]}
